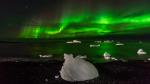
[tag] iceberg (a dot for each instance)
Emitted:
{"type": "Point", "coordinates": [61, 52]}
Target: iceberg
{"type": "Point", "coordinates": [141, 52]}
{"type": "Point", "coordinates": [74, 41]}
{"type": "Point", "coordinates": [94, 45]}
{"type": "Point", "coordinates": [77, 69]}
{"type": "Point", "coordinates": [119, 44]}
{"type": "Point", "coordinates": [106, 56]}
{"type": "Point", "coordinates": [45, 56]}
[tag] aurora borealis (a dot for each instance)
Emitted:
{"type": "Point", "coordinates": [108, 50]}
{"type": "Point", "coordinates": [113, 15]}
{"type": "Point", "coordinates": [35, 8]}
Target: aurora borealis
{"type": "Point", "coordinates": [77, 18]}
{"type": "Point", "coordinates": [102, 26]}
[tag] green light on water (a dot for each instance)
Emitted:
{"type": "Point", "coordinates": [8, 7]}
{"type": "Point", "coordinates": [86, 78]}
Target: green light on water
{"type": "Point", "coordinates": [106, 47]}
{"type": "Point", "coordinates": [37, 32]}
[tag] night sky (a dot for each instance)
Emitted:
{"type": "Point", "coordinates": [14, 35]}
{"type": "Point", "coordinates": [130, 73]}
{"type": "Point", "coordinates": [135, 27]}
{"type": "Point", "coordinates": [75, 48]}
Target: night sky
{"type": "Point", "coordinates": [73, 18]}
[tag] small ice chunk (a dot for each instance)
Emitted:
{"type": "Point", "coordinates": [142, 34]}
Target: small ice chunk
{"type": "Point", "coordinates": [77, 69]}
{"type": "Point", "coordinates": [56, 76]}
{"type": "Point", "coordinates": [95, 45]}
{"type": "Point", "coordinates": [141, 52]}
{"type": "Point", "coordinates": [119, 44]}
{"type": "Point", "coordinates": [113, 58]}
{"type": "Point", "coordinates": [45, 56]}
{"type": "Point", "coordinates": [106, 56]}
{"type": "Point", "coordinates": [148, 59]}
{"type": "Point", "coordinates": [69, 42]}
{"type": "Point", "coordinates": [107, 41]}
{"type": "Point", "coordinates": [74, 41]}
{"type": "Point", "coordinates": [46, 79]}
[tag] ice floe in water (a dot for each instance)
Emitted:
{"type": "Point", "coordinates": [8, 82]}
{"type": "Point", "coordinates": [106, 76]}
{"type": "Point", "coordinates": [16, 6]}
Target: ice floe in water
{"type": "Point", "coordinates": [77, 69]}
{"type": "Point", "coordinates": [119, 44]}
{"type": "Point", "coordinates": [108, 41]}
{"type": "Point", "coordinates": [94, 45]}
{"type": "Point", "coordinates": [45, 56]}
{"type": "Point", "coordinates": [106, 56]}
{"type": "Point", "coordinates": [141, 52]}
{"type": "Point", "coordinates": [74, 41]}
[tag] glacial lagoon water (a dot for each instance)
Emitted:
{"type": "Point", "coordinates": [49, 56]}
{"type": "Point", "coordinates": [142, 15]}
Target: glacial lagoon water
{"type": "Point", "coordinates": [92, 49]}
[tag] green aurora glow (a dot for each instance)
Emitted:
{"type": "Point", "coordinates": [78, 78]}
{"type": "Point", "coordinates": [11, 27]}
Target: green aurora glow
{"type": "Point", "coordinates": [78, 20]}
{"type": "Point", "coordinates": [76, 25]}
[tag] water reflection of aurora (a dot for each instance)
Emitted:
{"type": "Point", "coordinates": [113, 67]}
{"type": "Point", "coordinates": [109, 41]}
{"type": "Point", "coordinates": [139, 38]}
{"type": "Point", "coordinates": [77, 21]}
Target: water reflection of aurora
{"type": "Point", "coordinates": [128, 51]}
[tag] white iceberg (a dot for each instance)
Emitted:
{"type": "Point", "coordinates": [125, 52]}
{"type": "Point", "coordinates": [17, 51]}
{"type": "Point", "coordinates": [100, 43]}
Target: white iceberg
{"type": "Point", "coordinates": [77, 69]}
{"type": "Point", "coordinates": [95, 45]}
{"type": "Point", "coordinates": [148, 59]}
{"type": "Point", "coordinates": [106, 56]}
{"type": "Point", "coordinates": [74, 41]}
{"type": "Point", "coordinates": [45, 56]}
{"type": "Point", "coordinates": [69, 42]}
{"type": "Point", "coordinates": [119, 44]}
{"type": "Point", "coordinates": [56, 76]}
{"type": "Point", "coordinates": [113, 58]}
{"type": "Point", "coordinates": [141, 52]}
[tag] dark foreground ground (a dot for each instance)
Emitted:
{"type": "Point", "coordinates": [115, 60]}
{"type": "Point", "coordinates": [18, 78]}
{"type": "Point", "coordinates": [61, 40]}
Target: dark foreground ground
{"type": "Point", "coordinates": [132, 72]}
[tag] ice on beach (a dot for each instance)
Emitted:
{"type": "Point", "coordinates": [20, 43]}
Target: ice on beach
{"type": "Point", "coordinates": [141, 52]}
{"type": "Point", "coordinates": [45, 56]}
{"type": "Point", "coordinates": [46, 80]}
{"type": "Point", "coordinates": [56, 76]}
{"type": "Point", "coordinates": [113, 58]}
{"type": "Point", "coordinates": [148, 59]}
{"type": "Point", "coordinates": [77, 69]}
